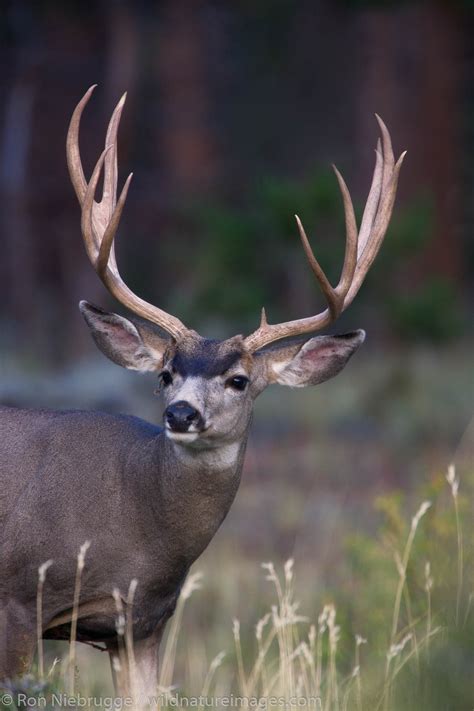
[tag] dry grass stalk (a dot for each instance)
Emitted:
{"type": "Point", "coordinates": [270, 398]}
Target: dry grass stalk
{"type": "Point", "coordinates": [42, 570]}
{"type": "Point", "coordinates": [359, 640]}
{"type": "Point", "coordinates": [454, 484]}
{"type": "Point", "coordinates": [322, 627]}
{"type": "Point", "coordinates": [402, 566]}
{"type": "Point", "coordinates": [120, 662]}
{"type": "Point", "coordinates": [428, 586]}
{"type": "Point", "coordinates": [240, 661]}
{"type": "Point", "coordinates": [214, 665]}
{"type": "Point", "coordinates": [348, 685]}
{"type": "Point", "coordinates": [192, 583]}
{"type": "Point", "coordinates": [285, 619]}
{"type": "Point", "coordinates": [259, 670]}
{"type": "Point", "coordinates": [393, 653]}
{"type": "Point", "coordinates": [132, 672]}
{"type": "Point", "coordinates": [75, 610]}
{"type": "Point", "coordinates": [332, 703]}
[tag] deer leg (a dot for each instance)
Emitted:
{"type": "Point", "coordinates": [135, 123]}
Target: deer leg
{"type": "Point", "coordinates": [17, 640]}
{"type": "Point", "coordinates": [137, 678]}
{"type": "Point", "coordinates": [145, 681]}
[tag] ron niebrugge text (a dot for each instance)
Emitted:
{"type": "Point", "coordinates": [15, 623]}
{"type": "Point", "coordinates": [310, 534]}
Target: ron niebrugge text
{"type": "Point", "coordinates": [21, 700]}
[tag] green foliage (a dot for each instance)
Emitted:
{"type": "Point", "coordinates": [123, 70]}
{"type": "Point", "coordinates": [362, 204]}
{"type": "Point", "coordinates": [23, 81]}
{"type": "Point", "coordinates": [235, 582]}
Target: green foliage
{"type": "Point", "coordinates": [255, 250]}
{"type": "Point", "coordinates": [429, 312]}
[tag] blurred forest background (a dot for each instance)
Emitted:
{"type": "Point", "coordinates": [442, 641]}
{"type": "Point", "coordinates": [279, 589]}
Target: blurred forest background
{"type": "Point", "coordinates": [235, 112]}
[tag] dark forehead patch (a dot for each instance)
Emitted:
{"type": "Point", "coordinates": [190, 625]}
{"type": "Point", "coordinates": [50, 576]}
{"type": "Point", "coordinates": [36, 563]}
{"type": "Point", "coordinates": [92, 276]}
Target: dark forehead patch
{"type": "Point", "coordinates": [206, 358]}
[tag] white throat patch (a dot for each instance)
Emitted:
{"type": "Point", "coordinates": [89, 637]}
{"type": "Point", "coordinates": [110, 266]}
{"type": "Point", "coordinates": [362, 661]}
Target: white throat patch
{"type": "Point", "coordinates": [216, 458]}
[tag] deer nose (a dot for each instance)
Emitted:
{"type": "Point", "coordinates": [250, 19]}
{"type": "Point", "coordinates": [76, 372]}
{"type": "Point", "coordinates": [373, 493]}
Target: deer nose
{"type": "Point", "coordinates": [180, 415]}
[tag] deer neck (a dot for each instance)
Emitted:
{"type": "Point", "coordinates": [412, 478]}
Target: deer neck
{"type": "Point", "coordinates": [196, 488]}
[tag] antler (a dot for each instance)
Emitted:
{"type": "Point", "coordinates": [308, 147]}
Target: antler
{"type": "Point", "coordinates": [100, 220]}
{"type": "Point", "coordinates": [361, 248]}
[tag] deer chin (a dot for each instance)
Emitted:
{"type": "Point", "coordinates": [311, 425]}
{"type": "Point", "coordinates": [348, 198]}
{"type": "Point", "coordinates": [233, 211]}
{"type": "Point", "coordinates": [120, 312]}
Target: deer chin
{"type": "Point", "coordinates": [194, 438]}
{"type": "Point", "coordinates": [182, 437]}
{"type": "Point", "coordinates": [202, 440]}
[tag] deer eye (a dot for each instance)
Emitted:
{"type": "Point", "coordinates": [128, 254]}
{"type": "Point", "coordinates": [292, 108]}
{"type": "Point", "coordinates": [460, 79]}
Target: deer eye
{"type": "Point", "coordinates": [166, 378]}
{"type": "Point", "coordinates": [238, 382]}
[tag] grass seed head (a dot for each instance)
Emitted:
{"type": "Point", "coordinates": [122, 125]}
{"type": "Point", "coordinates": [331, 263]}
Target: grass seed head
{"type": "Point", "coordinates": [217, 661]}
{"type": "Point", "coordinates": [428, 578]}
{"type": "Point", "coordinates": [396, 649]}
{"type": "Point", "coordinates": [191, 584]}
{"type": "Point", "coordinates": [271, 574]}
{"type": "Point", "coordinates": [81, 556]}
{"type": "Point", "coordinates": [43, 569]}
{"type": "Point", "coordinates": [236, 628]}
{"type": "Point", "coordinates": [452, 481]}
{"type": "Point", "coordinates": [419, 514]}
{"type": "Point", "coordinates": [261, 625]}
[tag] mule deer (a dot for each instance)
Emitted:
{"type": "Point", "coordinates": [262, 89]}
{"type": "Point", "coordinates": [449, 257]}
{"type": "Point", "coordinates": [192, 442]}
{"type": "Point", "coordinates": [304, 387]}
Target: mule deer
{"type": "Point", "coordinates": [150, 498]}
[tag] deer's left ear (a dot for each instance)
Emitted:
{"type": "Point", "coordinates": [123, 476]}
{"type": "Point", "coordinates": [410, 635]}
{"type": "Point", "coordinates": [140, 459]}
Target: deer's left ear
{"type": "Point", "coordinates": [310, 363]}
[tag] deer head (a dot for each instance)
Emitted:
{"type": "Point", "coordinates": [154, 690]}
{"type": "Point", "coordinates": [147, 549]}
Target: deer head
{"type": "Point", "coordinates": [209, 386]}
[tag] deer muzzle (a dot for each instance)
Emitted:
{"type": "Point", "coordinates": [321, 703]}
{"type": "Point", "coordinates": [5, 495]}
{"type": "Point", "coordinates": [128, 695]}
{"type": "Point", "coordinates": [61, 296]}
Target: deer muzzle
{"type": "Point", "coordinates": [182, 417]}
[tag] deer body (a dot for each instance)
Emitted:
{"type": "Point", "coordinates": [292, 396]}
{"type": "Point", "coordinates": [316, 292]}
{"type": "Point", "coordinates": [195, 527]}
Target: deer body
{"type": "Point", "coordinates": [150, 499]}
{"type": "Point", "coordinates": [155, 517]}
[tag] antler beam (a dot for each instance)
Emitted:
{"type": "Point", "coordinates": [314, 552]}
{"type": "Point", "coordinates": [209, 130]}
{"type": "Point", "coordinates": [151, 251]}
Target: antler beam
{"type": "Point", "coordinates": [100, 220]}
{"type": "Point", "coordinates": [361, 248]}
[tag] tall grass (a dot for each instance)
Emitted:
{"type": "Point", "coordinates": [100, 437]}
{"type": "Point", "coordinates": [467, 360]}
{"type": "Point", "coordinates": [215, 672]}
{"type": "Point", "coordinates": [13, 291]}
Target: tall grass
{"type": "Point", "coordinates": [289, 656]}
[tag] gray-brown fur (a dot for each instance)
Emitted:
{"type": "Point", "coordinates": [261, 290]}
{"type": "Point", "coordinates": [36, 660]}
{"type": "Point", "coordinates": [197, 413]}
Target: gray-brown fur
{"type": "Point", "coordinates": [207, 358]}
{"type": "Point", "coordinates": [149, 499]}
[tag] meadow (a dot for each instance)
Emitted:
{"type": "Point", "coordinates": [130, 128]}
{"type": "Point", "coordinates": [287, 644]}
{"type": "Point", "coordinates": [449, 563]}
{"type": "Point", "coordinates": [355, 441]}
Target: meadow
{"type": "Point", "coordinates": [342, 578]}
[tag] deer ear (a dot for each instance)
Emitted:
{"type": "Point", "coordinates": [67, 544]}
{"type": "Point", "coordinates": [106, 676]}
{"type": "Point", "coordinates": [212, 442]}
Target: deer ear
{"type": "Point", "coordinates": [312, 363]}
{"type": "Point", "coordinates": [121, 341]}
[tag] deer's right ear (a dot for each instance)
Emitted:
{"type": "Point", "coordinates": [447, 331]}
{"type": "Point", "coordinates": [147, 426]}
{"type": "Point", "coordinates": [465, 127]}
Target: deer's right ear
{"type": "Point", "coordinates": [119, 339]}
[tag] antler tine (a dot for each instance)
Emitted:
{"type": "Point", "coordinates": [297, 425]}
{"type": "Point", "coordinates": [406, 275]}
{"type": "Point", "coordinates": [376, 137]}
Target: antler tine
{"type": "Point", "coordinates": [100, 220]}
{"type": "Point", "coordinates": [99, 252]}
{"type": "Point", "coordinates": [111, 170]}
{"type": "Point", "coordinates": [326, 288]}
{"type": "Point", "coordinates": [106, 251]}
{"type": "Point", "coordinates": [389, 158]}
{"type": "Point", "coordinates": [109, 192]}
{"type": "Point", "coordinates": [350, 258]}
{"type": "Point", "coordinates": [379, 228]}
{"type": "Point", "coordinates": [335, 297]}
{"type": "Point", "coordinates": [91, 239]}
{"type": "Point", "coordinates": [361, 247]}
{"type": "Point", "coordinates": [76, 171]}
{"type": "Point", "coordinates": [373, 199]}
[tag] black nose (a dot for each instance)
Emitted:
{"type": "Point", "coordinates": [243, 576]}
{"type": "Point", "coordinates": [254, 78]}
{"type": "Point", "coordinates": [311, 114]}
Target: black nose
{"type": "Point", "coordinates": [180, 415]}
